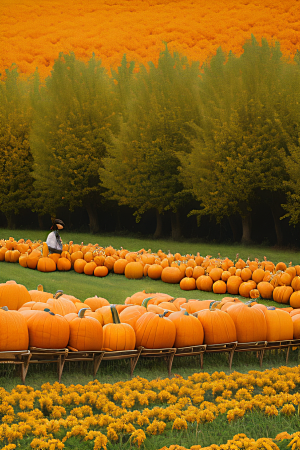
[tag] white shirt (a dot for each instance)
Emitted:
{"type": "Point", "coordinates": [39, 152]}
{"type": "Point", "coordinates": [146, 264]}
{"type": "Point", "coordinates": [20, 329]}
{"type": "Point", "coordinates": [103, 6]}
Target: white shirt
{"type": "Point", "coordinates": [53, 242]}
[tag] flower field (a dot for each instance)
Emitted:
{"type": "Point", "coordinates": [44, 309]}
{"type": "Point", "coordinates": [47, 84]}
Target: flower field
{"type": "Point", "coordinates": [131, 413]}
{"type": "Point", "coordinates": [33, 33]}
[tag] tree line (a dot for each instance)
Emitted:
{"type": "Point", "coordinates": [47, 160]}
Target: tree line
{"type": "Point", "coordinates": [177, 138]}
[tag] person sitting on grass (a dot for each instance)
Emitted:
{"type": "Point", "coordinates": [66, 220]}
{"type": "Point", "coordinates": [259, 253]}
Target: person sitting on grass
{"type": "Point", "coordinates": [54, 241]}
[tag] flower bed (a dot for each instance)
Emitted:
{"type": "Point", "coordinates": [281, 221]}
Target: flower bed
{"type": "Point", "coordinates": [132, 412]}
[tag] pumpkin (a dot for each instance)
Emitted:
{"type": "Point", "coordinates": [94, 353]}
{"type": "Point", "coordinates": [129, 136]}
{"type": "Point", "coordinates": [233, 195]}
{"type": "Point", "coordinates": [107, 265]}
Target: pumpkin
{"type": "Point", "coordinates": [61, 305]}
{"type": "Point", "coordinates": [118, 336]}
{"type": "Point", "coordinates": [119, 266]}
{"type": "Point", "coordinates": [265, 289]}
{"type": "Point", "coordinates": [296, 283]}
{"type": "Point", "coordinates": [279, 325]}
{"type": "Point", "coordinates": [47, 330]}
{"type": "Point", "coordinates": [216, 273]}
{"type": "Point", "coordinates": [218, 327]}
{"type": "Point", "coordinates": [34, 306]}
{"type": "Point", "coordinates": [33, 259]}
{"type": "Point", "coordinates": [13, 295]}
{"type": "Point", "coordinates": [137, 298]}
{"type": "Point", "coordinates": [192, 306]}
{"type": "Point", "coordinates": [86, 333]}
{"type": "Point", "coordinates": [155, 331]}
{"type": "Point", "coordinates": [246, 274]}
{"type": "Point", "coordinates": [296, 326]}
{"type": "Point", "coordinates": [14, 331]}
{"type": "Point", "coordinates": [233, 284]}
{"type": "Point", "coordinates": [295, 312]}
{"type": "Point", "coordinates": [134, 270]}
{"type": "Point", "coordinates": [100, 271]}
{"type": "Point", "coordinates": [189, 330]}
{"type": "Point", "coordinates": [219, 287]}
{"type": "Point", "coordinates": [198, 270]}
{"type": "Point", "coordinates": [79, 265]}
{"type": "Point", "coordinates": [204, 283]}
{"type": "Point", "coordinates": [280, 266]}
{"type": "Point", "coordinates": [188, 284]}
{"type": "Point", "coordinates": [46, 264]}
{"type": "Point", "coordinates": [63, 264]}
{"type": "Point", "coordinates": [282, 294]}
{"type": "Point", "coordinates": [154, 271]}
{"type": "Point", "coordinates": [295, 299]}
{"type": "Point", "coordinates": [96, 302]}
{"type": "Point", "coordinates": [250, 323]}
{"type": "Point", "coordinates": [12, 256]}
{"type": "Point", "coordinates": [89, 268]}
{"type": "Point", "coordinates": [246, 287]}
{"type": "Point", "coordinates": [131, 314]}
{"type": "Point", "coordinates": [171, 275]}
{"type": "Point", "coordinates": [258, 275]}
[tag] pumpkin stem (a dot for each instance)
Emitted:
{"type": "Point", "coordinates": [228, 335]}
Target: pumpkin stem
{"type": "Point", "coordinates": [58, 294]}
{"type": "Point", "coordinates": [164, 313]}
{"type": "Point", "coordinates": [213, 305]}
{"type": "Point", "coordinates": [81, 312]}
{"type": "Point", "coordinates": [40, 288]}
{"type": "Point", "coordinates": [5, 308]}
{"type": "Point", "coordinates": [145, 301]}
{"type": "Point", "coordinates": [115, 314]}
{"type": "Point", "coordinates": [186, 313]}
{"type": "Point", "coordinates": [47, 310]}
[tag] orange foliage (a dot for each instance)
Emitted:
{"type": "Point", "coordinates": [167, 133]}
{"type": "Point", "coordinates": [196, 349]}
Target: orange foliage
{"type": "Point", "coordinates": [33, 32]}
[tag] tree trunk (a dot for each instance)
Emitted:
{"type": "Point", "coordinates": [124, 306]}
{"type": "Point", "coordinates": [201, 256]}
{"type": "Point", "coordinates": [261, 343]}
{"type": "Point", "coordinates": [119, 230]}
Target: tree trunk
{"type": "Point", "coordinates": [11, 220]}
{"type": "Point", "coordinates": [234, 228]}
{"type": "Point", "coordinates": [93, 218]}
{"type": "Point", "coordinates": [246, 222]}
{"type": "Point", "coordinates": [276, 213]}
{"type": "Point", "coordinates": [158, 231]}
{"type": "Point", "coordinates": [176, 226]}
{"type": "Point", "coordinates": [41, 221]}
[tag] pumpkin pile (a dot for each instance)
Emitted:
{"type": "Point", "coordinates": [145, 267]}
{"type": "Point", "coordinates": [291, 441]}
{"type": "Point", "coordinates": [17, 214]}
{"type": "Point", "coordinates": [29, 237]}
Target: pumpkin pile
{"type": "Point", "coordinates": [249, 279]}
{"type": "Point", "coordinates": [40, 319]}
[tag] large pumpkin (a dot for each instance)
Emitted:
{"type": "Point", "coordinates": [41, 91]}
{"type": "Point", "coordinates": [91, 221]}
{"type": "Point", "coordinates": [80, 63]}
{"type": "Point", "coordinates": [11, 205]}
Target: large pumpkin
{"type": "Point", "coordinates": [279, 325]}
{"type": "Point", "coordinates": [281, 294]}
{"type": "Point", "coordinates": [47, 330]}
{"type": "Point", "coordinates": [13, 295]}
{"type": "Point", "coordinates": [155, 331]}
{"type": "Point", "coordinates": [171, 275]}
{"type": "Point", "coordinates": [96, 302]}
{"type": "Point", "coordinates": [86, 333]}
{"type": "Point", "coordinates": [250, 323]}
{"type": "Point", "coordinates": [134, 270]}
{"type": "Point", "coordinates": [189, 330]}
{"type": "Point", "coordinates": [14, 331]}
{"type": "Point", "coordinates": [218, 327]}
{"type": "Point", "coordinates": [131, 314]}
{"type": "Point", "coordinates": [118, 336]}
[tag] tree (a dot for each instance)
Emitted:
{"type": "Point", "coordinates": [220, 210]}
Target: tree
{"type": "Point", "coordinates": [15, 156]}
{"type": "Point", "coordinates": [246, 120]}
{"type": "Point", "coordinates": [141, 169]}
{"type": "Point", "coordinates": [74, 111]}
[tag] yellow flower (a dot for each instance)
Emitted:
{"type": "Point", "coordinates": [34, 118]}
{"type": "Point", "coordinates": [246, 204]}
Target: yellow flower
{"type": "Point", "coordinates": [156, 427]}
{"type": "Point", "coordinates": [288, 410]}
{"type": "Point", "coordinates": [137, 437]}
{"type": "Point", "coordinates": [179, 424]}
{"type": "Point", "coordinates": [100, 442]}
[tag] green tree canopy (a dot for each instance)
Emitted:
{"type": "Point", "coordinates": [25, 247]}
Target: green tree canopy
{"type": "Point", "coordinates": [141, 169]}
{"type": "Point", "coordinates": [74, 111]}
{"type": "Point", "coordinates": [247, 121]}
{"type": "Point", "coordinates": [15, 155]}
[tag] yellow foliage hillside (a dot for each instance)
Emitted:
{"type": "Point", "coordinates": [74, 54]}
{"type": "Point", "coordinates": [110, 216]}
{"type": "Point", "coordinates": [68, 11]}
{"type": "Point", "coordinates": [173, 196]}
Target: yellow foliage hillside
{"type": "Point", "coordinates": [33, 32]}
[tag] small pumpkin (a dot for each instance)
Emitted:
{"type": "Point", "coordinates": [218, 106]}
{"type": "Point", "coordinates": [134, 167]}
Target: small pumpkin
{"type": "Point", "coordinates": [118, 336]}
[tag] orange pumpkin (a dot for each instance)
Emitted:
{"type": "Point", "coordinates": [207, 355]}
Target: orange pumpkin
{"type": "Point", "coordinates": [14, 331]}
{"type": "Point", "coordinates": [218, 327]}
{"type": "Point", "coordinates": [155, 331]}
{"type": "Point", "coordinates": [47, 330]}
{"type": "Point", "coordinates": [86, 333]}
{"type": "Point", "coordinates": [189, 330]}
{"type": "Point", "coordinates": [250, 323]}
{"type": "Point", "coordinates": [118, 336]}
{"type": "Point", "coordinates": [13, 295]}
